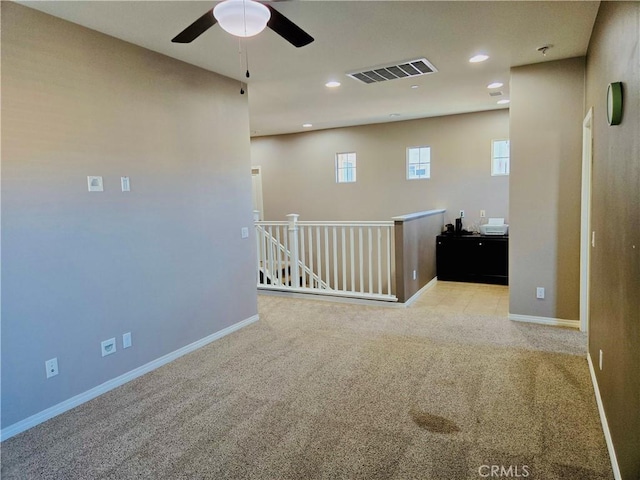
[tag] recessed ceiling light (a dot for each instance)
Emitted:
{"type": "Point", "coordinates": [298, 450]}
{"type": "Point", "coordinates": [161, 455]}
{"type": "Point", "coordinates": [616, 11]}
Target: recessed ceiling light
{"type": "Point", "coordinates": [415, 86]}
{"type": "Point", "coordinates": [332, 84]}
{"type": "Point", "coordinates": [503, 101]}
{"type": "Point", "coordinates": [393, 115]}
{"type": "Point", "coordinates": [307, 125]}
{"type": "Point", "coordinates": [495, 85]}
{"type": "Point", "coordinates": [478, 58]}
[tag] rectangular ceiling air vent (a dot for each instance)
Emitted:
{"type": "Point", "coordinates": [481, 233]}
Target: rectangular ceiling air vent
{"type": "Point", "coordinates": [411, 68]}
{"type": "Point", "coordinates": [495, 94]}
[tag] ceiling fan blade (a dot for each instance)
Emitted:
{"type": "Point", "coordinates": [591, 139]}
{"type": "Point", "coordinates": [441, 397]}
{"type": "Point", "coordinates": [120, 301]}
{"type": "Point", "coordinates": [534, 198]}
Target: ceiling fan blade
{"type": "Point", "coordinates": [197, 28]}
{"type": "Point", "coordinates": [287, 29]}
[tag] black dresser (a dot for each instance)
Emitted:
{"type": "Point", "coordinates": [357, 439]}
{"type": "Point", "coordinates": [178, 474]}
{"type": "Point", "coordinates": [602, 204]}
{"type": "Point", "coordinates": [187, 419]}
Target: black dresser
{"type": "Point", "coordinates": [473, 258]}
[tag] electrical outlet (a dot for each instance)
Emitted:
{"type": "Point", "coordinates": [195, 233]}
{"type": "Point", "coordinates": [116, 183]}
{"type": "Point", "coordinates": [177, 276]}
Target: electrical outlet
{"type": "Point", "coordinates": [415, 275]}
{"type": "Point", "coordinates": [51, 367]}
{"type": "Point", "coordinates": [126, 340]}
{"type": "Point", "coordinates": [600, 360]}
{"type": "Point", "coordinates": [540, 292]}
{"type": "Point", "coordinates": [483, 213]}
{"type": "Point", "coordinates": [461, 213]}
{"type": "Point", "coordinates": [108, 346]}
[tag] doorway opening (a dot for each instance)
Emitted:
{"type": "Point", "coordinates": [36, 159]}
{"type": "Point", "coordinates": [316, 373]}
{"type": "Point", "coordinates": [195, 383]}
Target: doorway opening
{"type": "Point", "coordinates": [256, 189]}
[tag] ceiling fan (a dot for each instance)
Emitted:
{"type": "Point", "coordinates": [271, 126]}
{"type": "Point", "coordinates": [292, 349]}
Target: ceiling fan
{"type": "Point", "coordinates": [245, 18]}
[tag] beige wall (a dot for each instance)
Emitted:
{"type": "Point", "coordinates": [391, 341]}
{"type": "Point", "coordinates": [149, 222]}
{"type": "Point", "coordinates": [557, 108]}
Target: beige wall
{"type": "Point", "coordinates": [614, 325]}
{"type": "Point", "coordinates": [165, 261]}
{"type": "Point", "coordinates": [546, 158]}
{"type": "Point", "coordinates": [298, 170]}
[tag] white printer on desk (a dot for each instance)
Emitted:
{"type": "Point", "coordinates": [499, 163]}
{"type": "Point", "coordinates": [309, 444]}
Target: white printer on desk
{"type": "Point", "coordinates": [496, 226]}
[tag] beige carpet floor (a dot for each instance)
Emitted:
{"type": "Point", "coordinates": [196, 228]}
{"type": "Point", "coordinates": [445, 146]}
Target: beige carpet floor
{"type": "Point", "coordinates": [442, 390]}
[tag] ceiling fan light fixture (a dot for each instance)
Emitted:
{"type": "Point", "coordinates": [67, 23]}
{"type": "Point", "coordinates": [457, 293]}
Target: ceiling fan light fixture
{"type": "Point", "coordinates": [242, 18]}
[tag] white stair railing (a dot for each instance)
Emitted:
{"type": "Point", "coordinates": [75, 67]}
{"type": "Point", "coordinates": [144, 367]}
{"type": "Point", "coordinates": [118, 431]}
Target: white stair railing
{"type": "Point", "coordinates": [352, 259]}
{"type": "Point", "coordinates": [274, 258]}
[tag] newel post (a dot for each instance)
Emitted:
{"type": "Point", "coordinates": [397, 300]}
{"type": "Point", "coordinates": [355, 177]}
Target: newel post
{"type": "Point", "coordinates": [293, 247]}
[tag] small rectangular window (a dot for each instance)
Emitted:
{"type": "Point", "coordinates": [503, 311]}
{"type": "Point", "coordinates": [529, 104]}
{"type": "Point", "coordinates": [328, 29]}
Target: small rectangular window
{"type": "Point", "coordinates": [345, 167]}
{"type": "Point", "coordinates": [418, 162]}
{"type": "Point", "coordinates": [499, 157]}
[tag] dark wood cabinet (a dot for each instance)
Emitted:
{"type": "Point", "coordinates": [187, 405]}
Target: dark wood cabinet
{"type": "Point", "coordinates": [473, 258]}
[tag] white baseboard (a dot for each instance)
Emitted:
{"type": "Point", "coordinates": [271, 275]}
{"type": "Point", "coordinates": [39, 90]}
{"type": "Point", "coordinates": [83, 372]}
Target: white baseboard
{"type": "Point", "coordinates": [72, 402]}
{"type": "Point", "coordinates": [556, 322]}
{"type": "Point", "coordinates": [328, 298]}
{"type": "Point", "coordinates": [416, 295]}
{"type": "Point", "coordinates": [605, 424]}
{"type": "Point", "coordinates": [346, 299]}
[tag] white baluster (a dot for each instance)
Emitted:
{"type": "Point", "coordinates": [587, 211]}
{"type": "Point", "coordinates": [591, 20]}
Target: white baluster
{"type": "Point", "coordinates": [344, 260]}
{"type": "Point", "coordinates": [388, 260]}
{"type": "Point", "coordinates": [258, 254]}
{"type": "Point", "coordinates": [379, 235]}
{"type": "Point", "coordinates": [319, 247]}
{"type": "Point", "coordinates": [310, 232]}
{"type": "Point", "coordinates": [326, 254]}
{"type": "Point", "coordinates": [361, 259]}
{"type": "Point", "coordinates": [369, 250]}
{"type": "Point", "coordinates": [303, 258]}
{"type": "Point", "coordinates": [352, 287]}
{"type": "Point", "coordinates": [293, 247]}
{"type": "Point", "coordinates": [335, 260]}
{"type": "Point", "coordinates": [272, 253]}
{"type": "Point", "coordinates": [278, 255]}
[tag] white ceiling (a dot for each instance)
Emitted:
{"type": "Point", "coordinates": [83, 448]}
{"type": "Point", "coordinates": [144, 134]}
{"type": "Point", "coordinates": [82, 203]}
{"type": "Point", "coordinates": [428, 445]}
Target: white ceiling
{"type": "Point", "coordinates": [286, 88]}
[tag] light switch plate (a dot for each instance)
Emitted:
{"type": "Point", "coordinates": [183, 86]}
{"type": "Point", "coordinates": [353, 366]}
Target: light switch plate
{"type": "Point", "coordinates": [126, 185]}
{"type": "Point", "coordinates": [244, 232]}
{"type": "Point", "coordinates": [126, 340]}
{"type": "Point", "coordinates": [95, 184]}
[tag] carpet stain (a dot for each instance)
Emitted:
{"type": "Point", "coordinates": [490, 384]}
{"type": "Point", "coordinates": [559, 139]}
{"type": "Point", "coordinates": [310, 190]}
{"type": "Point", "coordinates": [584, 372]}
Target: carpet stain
{"type": "Point", "coordinates": [433, 423]}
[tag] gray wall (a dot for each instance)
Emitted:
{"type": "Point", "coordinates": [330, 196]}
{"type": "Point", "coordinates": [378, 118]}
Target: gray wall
{"type": "Point", "coordinates": [614, 326]}
{"type": "Point", "coordinates": [165, 261]}
{"type": "Point", "coordinates": [298, 170]}
{"type": "Point", "coordinates": [546, 160]}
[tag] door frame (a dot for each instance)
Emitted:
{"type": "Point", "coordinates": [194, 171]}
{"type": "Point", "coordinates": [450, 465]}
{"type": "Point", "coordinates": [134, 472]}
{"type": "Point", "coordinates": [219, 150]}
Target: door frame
{"type": "Point", "coordinates": [585, 218]}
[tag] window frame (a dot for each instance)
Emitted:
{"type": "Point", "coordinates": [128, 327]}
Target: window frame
{"type": "Point", "coordinates": [420, 163]}
{"type": "Point", "coordinates": [347, 170]}
{"type": "Point", "coordinates": [494, 171]}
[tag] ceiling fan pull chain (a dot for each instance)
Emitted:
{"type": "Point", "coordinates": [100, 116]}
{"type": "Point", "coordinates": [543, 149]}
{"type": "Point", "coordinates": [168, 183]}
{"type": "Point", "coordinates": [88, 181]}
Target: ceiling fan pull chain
{"type": "Point", "coordinates": [246, 58]}
{"type": "Point", "coordinates": [244, 16]}
{"type": "Point", "coordinates": [240, 59]}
